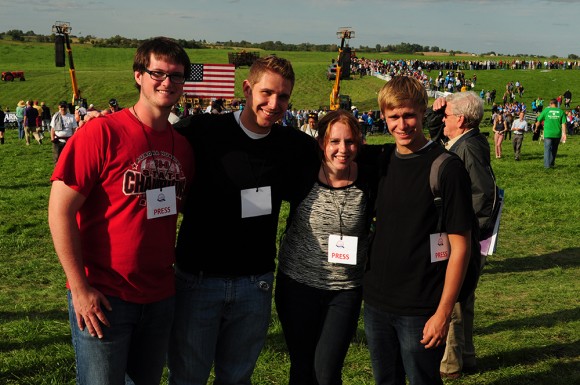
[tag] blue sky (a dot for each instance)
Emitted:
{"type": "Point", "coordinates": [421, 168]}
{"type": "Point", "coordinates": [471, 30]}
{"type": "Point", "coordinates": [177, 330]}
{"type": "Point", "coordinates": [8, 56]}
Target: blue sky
{"type": "Point", "coordinates": [540, 27]}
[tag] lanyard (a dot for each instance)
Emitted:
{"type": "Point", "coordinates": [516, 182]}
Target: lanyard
{"type": "Point", "coordinates": [151, 149]}
{"type": "Point", "coordinates": [339, 205]}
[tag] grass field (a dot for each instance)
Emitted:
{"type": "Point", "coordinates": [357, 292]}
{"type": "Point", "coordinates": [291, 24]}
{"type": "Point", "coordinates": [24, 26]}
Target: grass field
{"type": "Point", "coordinates": [104, 73]}
{"type": "Point", "coordinates": [527, 326]}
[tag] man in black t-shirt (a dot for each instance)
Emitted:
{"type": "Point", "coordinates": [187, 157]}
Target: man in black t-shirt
{"type": "Point", "coordinates": [416, 267]}
{"type": "Point", "coordinates": [246, 165]}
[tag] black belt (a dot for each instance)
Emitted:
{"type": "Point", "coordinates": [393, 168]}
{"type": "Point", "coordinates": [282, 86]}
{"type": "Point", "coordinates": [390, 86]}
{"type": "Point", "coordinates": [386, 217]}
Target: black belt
{"type": "Point", "coordinates": [207, 274]}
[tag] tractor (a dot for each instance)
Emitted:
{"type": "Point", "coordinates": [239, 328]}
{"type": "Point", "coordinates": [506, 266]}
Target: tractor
{"type": "Point", "coordinates": [9, 76]}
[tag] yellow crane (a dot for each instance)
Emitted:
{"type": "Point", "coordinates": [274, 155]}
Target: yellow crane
{"type": "Point", "coordinates": [62, 30]}
{"type": "Point", "coordinates": [335, 97]}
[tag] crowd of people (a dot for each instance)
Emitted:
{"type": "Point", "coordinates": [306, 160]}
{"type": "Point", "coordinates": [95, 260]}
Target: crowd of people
{"type": "Point", "coordinates": [34, 119]}
{"type": "Point", "coordinates": [386, 66]}
{"type": "Point", "coordinates": [142, 294]}
{"type": "Point", "coordinates": [512, 119]}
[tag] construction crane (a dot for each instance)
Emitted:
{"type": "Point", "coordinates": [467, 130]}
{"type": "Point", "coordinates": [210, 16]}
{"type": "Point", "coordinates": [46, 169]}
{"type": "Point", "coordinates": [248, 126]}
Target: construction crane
{"type": "Point", "coordinates": [336, 100]}
{"type": "Point", "coordinates": [62, 30]}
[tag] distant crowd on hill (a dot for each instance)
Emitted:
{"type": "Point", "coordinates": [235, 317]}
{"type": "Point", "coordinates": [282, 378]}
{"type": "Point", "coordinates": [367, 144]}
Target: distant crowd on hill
{"type": "Point", "coordinates": [394, 67]}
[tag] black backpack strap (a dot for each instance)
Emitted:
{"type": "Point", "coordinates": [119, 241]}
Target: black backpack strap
{"type": "Point", "coordinates": [472, 274]}
{"type": "Point", "coordinates": [434, 183]}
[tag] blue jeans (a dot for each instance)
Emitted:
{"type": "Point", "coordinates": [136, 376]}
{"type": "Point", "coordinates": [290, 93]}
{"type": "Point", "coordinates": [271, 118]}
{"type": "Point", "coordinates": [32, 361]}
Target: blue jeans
{"type": "Point", "coordinates": [395, 348]}
{"type": "Point", "coordinates": [133, 349]}
{"type": "Point", "coordinates": [221, 321]}
{"type": "Point", "coordinates": [318, 327]}
{"type": "Point", "coordinates": [550, 151]}
{"type": "Point", "coordinates": [20, 128]}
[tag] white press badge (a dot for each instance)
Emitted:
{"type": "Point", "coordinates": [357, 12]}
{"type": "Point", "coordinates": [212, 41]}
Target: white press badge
{"type": "Point", "coordinates": [161, 202]}
{"type": "Point", "coordinates": [440, 249]}
{"type": "Point", "coordinates": [256, 202]}
{"type": "Point", "coordinates": [342, 250]}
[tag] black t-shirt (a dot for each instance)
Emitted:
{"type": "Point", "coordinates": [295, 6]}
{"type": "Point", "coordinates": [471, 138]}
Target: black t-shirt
{"type": "Point", "coordinates": [400, 276]}
{"type": "Point", "coordinates": [227, 161]}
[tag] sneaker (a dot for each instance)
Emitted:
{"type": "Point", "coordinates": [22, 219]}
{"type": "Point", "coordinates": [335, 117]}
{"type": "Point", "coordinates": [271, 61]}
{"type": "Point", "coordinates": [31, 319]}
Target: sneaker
{"type": "Point", "coordinates": [450, 376]}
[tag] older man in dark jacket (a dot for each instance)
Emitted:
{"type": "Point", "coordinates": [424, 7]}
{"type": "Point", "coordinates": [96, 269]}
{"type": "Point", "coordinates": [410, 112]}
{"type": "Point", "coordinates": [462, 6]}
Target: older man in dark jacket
{"type": "Point", "coordinates": [461, 114]}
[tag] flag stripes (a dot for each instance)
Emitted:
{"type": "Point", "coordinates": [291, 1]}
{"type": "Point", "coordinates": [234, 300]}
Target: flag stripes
{"type": "Point", "coordinates": [211, 81]}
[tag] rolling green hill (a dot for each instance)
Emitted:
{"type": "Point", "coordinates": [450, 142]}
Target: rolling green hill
{"type": "Point", "coordinates": [103, 73]}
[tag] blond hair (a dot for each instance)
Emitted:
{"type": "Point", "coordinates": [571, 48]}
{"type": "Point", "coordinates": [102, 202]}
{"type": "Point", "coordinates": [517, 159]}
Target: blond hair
{"type": "Point", "coordinates": [403, 91]}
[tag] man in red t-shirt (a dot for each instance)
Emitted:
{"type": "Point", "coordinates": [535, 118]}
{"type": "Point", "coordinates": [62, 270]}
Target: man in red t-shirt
{"type": "Point", "coordinates": [116, 191]}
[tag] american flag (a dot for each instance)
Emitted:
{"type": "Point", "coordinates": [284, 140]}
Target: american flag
{"type": "Point", "coordinates": [211, 81]}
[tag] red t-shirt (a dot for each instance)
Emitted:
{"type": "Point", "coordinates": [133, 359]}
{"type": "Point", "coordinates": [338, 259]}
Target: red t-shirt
{"type": "Point", "coordinates": [112, 161]}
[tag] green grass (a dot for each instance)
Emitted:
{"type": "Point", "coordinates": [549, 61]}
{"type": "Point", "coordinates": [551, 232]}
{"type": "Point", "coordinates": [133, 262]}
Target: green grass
{"type": "Point", "coordinates": [104, 73]}
{"type": "Point", "coordinates": [527, 326]}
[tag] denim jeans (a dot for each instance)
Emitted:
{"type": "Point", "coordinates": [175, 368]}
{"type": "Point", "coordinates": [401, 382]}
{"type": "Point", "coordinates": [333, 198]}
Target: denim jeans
{"type": "Point", "coordinates": [20, 128]}
{"type": "Point", "coordinates": [396, 350]}
{"type": "Point", "coordinates": [550, 151]}
{"type": "Point", "coordinates": [46, 125]}
{"type": "Point", "coordinates": [318, 327]}
{"type": "Point", "coordinates": [133, 349]}
{"type": "Point", "coordinates": [221, 321]}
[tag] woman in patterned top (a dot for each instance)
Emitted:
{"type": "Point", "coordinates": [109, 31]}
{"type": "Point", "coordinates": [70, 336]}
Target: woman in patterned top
{"type": "Point", "coordinates": [322, 257]}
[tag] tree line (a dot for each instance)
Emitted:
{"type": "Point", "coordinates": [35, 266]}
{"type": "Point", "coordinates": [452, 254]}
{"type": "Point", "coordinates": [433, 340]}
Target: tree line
{"type": "Point", "coordinates": [123, 42]}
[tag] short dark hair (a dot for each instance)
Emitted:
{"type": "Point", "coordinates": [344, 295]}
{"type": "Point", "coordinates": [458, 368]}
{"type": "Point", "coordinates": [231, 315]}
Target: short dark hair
{"type": "Point", "coordinates": [63, 104]}
{"type": "Point", "coordinates": [162, 48]}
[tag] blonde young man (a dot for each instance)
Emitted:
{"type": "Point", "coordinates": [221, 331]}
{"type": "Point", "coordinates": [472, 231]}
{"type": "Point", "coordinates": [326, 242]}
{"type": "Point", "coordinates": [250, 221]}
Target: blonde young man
{"type": "Point", "coordinates": [415, 272]}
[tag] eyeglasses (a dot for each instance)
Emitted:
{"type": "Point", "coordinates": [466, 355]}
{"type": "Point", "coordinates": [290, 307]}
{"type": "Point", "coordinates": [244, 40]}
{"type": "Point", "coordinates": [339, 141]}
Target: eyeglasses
{"type": "Point", "coordinates": [161, 76]}
{"type": "Point", "coordinates": [446, 115]}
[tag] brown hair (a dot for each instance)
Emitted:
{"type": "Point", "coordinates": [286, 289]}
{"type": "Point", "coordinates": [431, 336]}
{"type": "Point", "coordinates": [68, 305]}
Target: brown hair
{"type": "Point", "coordinates": [162, 48]}
{"type": "Point", "coordinates": [271, 63]}
{"type": "Point", "coordinates": [333, 117]}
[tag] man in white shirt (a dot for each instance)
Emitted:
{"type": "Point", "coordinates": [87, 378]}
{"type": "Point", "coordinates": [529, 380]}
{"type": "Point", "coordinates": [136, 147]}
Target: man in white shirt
{"type": "Point", "coordinates": [62, 126]}
{"type": "Point", "coordinates": [519, 126]}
